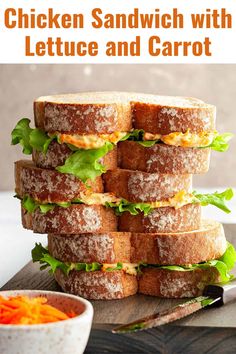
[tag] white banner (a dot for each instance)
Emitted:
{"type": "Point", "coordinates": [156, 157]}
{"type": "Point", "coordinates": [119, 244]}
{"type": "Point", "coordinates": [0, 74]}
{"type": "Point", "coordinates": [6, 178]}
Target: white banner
{"type": "Point", "coordinates": [117, 31]}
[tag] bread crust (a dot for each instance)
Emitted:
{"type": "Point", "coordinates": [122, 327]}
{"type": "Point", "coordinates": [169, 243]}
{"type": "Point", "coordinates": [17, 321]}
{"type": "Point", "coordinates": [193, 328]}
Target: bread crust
{"type": "Point", "coordinates": [190, 247]}
{"type": "Point", "coordinates": [206, 243]}
{"type": "Point", "coordinates": [75, 219]}
{"type": "Point", "coordinates": [162, 158]}
{"type": "Point", "coordinates": [83, 113]}
{"type": "Point", "coordinates": [57, 154]}
{"type": "Point", "coordinates": [98, 285]}
{"type": "Point", "coordinates": [106, 112]}
{"type": "Point", "coordinates": [165, 119]}
{"type": "Point", "coordinates": [109, 247]}
{"type": "Point", "coordinates": [138, 186]}
{"type": "Point", "coordinates": [164, 219]}
{"type": "Point", "coordinates": [50, 186]}
{"type": "Point", "coordinates": [176, 284]}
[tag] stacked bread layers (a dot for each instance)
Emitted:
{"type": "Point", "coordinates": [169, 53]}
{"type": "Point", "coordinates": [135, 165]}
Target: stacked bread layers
{"type": "Point", "coordinates": [153, 243]}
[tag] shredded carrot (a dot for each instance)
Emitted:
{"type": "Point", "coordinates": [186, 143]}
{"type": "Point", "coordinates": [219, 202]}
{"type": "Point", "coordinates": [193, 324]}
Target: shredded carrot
{"type": "Point", "coordinates": [24, 310]}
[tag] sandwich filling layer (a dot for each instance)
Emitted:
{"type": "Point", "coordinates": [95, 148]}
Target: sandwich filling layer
{"type": "Point", "coordinates": [223, 265]}
{"type": "Point", "coordinates": [90, 141]}
{"type": "Point", "coordinates": [121, 205]}
{"type": "Point", "coordinates": [212, 139]}
{"type": "Point", "coordinates": [186, 139]}
{"type": "Point", "coordinates": [88, 150]}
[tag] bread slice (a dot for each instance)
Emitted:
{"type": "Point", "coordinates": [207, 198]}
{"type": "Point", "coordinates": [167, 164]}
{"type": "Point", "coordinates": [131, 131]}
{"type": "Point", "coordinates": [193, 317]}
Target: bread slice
{"type": "Point", "coordinates": [50, 186]}
{"type": "Point", "coordinates": [176, 284]}
{"type": "Point", "coordinates": [57, 154]}
{"type": "Point", "coordinates": [106, 112]}
{"type": "Point", "coordinates": [206, 243]}
{"type": "Point", "coordinates": [75, 219]}
{"type": "Point", "coordinates": [165, 114]}
{"type": "Point", "coordinates": [84, 113]}
{"type": "Point", "coordinates": [110, 247]}
{"type": "Point", "coordinates": [161, 158]}
{"type": "Point", "coordinates": [164, 219]}
{"type": "Point", "coordinates": [98, 285]}
{"type": "Point", "coordinates": [137, 186]}
{"type": "Point", "coordinates": [203, 244]}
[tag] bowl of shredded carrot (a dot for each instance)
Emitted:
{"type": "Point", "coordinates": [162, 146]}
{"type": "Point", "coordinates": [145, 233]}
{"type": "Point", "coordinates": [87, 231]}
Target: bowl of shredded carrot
{"type": "Point", "coordinates": [35, 321]}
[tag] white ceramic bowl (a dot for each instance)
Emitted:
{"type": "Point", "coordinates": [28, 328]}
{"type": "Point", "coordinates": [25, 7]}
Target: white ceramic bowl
{"type": "Point", "coordinates": [63, 337]}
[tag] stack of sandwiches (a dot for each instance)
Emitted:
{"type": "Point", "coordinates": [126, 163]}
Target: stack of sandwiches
{"type": "Point", "coordinates": [110, 182]}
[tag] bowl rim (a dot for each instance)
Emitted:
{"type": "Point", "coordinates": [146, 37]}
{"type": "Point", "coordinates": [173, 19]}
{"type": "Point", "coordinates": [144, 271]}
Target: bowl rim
{"type": "Point", "coordinates": [88, 310]}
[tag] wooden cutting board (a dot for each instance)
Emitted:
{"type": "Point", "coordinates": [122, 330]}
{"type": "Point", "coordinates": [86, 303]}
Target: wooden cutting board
{"type": "Point", "coordinates": [207, 331]}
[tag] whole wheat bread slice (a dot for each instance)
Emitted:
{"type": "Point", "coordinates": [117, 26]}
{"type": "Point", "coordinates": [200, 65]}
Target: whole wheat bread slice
{"type": "Point", "coordinates": [98, 285]}
{"type": "Point", "coordinates": [176, 284]}
{"type": "Point", "coordinates": [164, 219]}
{"type": "Point", "coordinates": [204, 244]}
{"type": "Point", "coordinates": [110, 247]}
{"type": "Point", "coordinates": [106, 112]}
{"type": "Point", "coordinates": [137, 186]}
{"type": "Point", "coordinates": [162, 158]}
{"type": "Point", "coordinates": [84, 113]}
{"type": "Point", "coordinates": [50, 186]}
{"type": "Point", "coordinates": [57, 154]}
{"type": "Point", "coordinates": [75, 219]}
{"type": "Point", "coordinates": [166, 114]}
{"type": "Point", "coordinates": [201, 245]}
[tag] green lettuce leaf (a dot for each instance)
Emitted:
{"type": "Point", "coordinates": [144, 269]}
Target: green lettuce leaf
{"type": "Point", "coordinates": [118, 266]}
{"type": "Point", "coordinates": [38, 252]}
{"type": "Point", "coordinates": [137, 135]}
{"type": "Point", "coordinates": [30, 138]}
{"type": "Point", "coordinates": [87, 267]}
{"type": "Point", "coordinates": [44, 208]}
{"type": "Point", "coordinates": [85, 164]}
{"type": "Point", "coordinates": [132, 208]}
{"type": "Point", "coordinates": [229, 257]}
{"type": "Point", "coordinates": [219, 265]}
{"type": "Point", "coordinates": [67, 204]}
{"type": "Point", "coordinates": [223, 265]}
{"type": "Point", "coordinates": [21, 135]}
{"type": "Point", "coordinates": [41, 255]}
{"type": "Point", "coordinates": [216, 199]}
{"type": "Point", "coordinates": [220, 142]}
{"type": "Point", "coordinates": [147, 143]}
{"type": "Point", "coordinates": [30, 205]}
{"type": "Point", "coordinates": [222, 268]}
{"type": "Point", "coordinates": [40, 141]}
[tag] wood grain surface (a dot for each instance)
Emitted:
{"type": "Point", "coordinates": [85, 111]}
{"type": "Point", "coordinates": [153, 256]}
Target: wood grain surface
{"type": "Point", "coordinates": [207, 331]}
